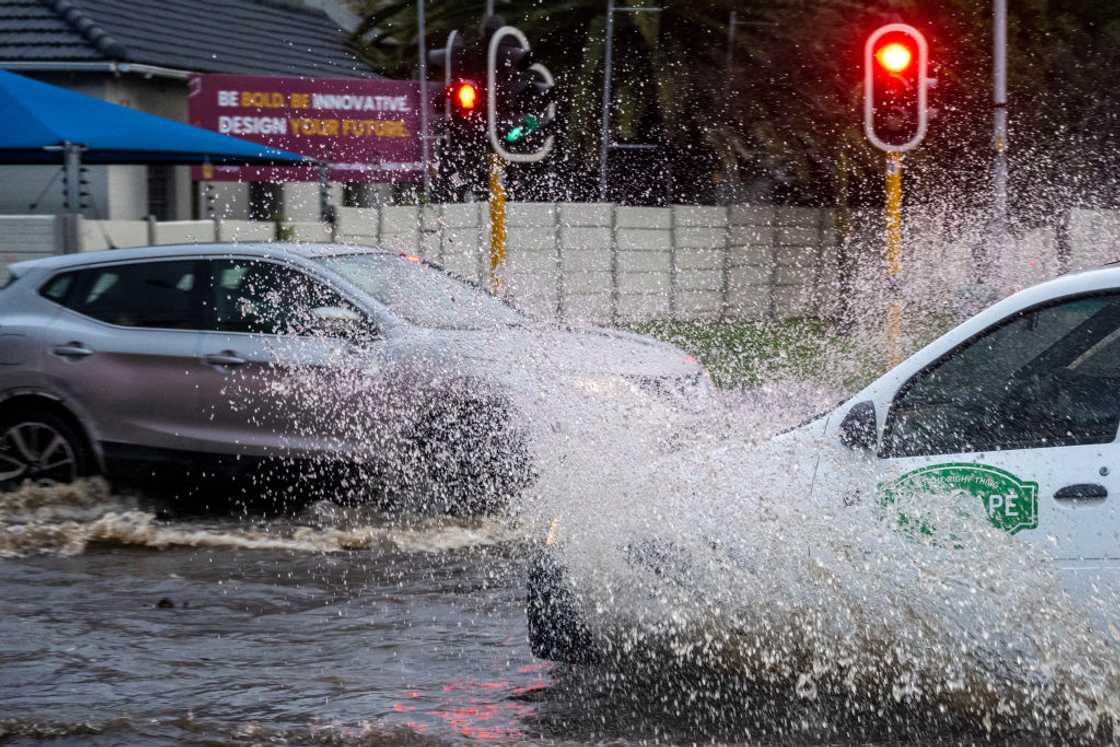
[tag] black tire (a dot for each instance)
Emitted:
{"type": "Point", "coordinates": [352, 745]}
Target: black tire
{"type": "Point", "coordinates": [473, 459]}
{"type": "Point", "coordinates": [48, 447]}
{"type": "Point", "coordinates": [557, 631]}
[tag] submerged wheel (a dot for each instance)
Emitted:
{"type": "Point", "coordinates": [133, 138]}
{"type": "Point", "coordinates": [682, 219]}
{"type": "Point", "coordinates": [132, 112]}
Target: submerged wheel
{"type": "Point", "coordinates": [41, 447]}
{"type": "Point", "coordinates": [557, 631]}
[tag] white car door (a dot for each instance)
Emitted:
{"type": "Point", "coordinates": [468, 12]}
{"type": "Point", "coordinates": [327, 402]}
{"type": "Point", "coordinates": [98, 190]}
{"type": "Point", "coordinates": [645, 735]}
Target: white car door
{"type": "Point", "coordinates": [1021, 419]}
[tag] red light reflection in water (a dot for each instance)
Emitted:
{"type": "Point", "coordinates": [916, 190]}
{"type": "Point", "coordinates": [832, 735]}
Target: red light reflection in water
{"type": "Point", "coordinates": [489, 710]}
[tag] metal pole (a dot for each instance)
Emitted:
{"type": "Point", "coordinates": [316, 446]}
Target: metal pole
{"type": "Point", "coordinates": [894, 256]}
{"type": "Point", "coordinates": [324, 193]}
{"type": "Point", "coordinates": [999, 121]}
{"type": "Point", "coordinates": [729, 159]}
{"type": "Point", "coordinates": [497, 221]}
{"type": "Point", "coordinates": [605, 124]}
{"type": "Point", "coordinates": [425, 103]}
{"type": "Point", "coordinates": [72, 164]}
{"type": "Point", "coordinates": [732, 22]}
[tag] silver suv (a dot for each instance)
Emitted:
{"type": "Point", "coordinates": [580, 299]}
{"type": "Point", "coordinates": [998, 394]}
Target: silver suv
{"type": "Point", "coordinates": [318, 356]}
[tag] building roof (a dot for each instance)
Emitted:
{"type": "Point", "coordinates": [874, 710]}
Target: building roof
{"type": "Point", "coordinates": [257, 37]}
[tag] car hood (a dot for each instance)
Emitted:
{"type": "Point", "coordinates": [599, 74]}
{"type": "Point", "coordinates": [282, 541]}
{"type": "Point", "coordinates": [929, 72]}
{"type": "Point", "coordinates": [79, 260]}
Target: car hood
{"type": "Point", "coordinates": [565, 350]}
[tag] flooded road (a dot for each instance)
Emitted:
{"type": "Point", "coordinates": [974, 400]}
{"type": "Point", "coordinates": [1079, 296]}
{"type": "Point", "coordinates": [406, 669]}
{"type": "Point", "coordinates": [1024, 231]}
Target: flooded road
{"type": "Point", "coordinates": [139, 646]}
{"type": "Point", "coordinates": [134, 645]}
{"type": "Point", "coordinates": [124, 624]}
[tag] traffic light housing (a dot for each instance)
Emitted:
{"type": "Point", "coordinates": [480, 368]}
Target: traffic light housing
{"type": "Point", "coordinates": [461, 150]}
{"type": "Point", "coordinates": [520, 106]}
{"type": "Point", "coordinates": [496, 100]}
{"type": "Point", "coordinates": [896, 87]}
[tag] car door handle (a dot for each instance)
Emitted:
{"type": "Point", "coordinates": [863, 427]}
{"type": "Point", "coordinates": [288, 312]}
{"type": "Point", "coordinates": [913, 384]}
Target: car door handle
{"type": "Point", "coordinates": [225, 358]}
{"type": "Point", "coordinates": [71, 349]}
{"type": "Point", "coordinates": [1081, 492]}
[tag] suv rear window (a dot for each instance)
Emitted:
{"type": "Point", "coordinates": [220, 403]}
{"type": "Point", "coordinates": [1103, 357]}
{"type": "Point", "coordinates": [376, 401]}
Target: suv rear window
{"type": "Point", "coordinates": [144, 294]}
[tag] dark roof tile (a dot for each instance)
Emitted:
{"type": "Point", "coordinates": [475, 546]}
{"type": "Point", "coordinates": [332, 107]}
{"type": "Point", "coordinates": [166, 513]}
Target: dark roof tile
{"type": "Point", "coordinates": [217, 36]}
{"type": "Point", "coordinates": [23, 21]}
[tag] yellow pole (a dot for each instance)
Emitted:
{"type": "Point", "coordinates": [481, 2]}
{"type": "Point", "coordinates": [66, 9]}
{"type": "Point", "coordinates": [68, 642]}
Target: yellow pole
{"type": "Point", "coordinates": [894, 256]}
{"type": "Point", "coordinates": [497, 221]}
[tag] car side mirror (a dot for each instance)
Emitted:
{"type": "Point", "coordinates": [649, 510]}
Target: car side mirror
{"type": "Point", "coordinates": [347, 324]}
{"type": "Point", "coordinates": [859, 429]}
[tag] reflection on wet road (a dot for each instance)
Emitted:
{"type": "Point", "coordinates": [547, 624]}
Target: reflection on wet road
{"type": "Point", "coordinates": [246, 645]}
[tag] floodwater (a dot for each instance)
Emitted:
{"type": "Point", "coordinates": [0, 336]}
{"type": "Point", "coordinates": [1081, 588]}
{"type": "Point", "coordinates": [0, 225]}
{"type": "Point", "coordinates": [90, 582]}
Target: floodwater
{"type": "Point", "coordinates": [124, 624]}
{"type": "Point", "coordinates": [126, 644]}
{"type": "Point", "coordinates": [416, 641]}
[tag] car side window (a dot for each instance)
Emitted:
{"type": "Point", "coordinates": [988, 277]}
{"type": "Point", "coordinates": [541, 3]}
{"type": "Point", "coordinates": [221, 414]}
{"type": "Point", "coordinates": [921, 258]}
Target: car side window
{"type": "Point", "coordinates": [1047, 376]}
{"type": "Point", "coordinates": [266, 298]}
{"type": "Point", "coordinates": [154, 294]}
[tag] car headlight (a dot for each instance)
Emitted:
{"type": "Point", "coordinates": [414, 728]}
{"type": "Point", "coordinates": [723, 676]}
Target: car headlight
{"type": "Point", "coordinates": [605, 385]}
{"type": "Point", "coordinates": [671, 386]}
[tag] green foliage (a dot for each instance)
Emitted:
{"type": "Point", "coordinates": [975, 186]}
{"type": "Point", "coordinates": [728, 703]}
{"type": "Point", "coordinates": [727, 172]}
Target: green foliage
{"type": "Point", "coordinates": [747, 353]}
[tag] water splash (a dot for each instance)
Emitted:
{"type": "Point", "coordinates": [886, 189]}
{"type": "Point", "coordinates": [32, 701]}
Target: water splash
{"type": "Point", "coordinates": [71, 519]}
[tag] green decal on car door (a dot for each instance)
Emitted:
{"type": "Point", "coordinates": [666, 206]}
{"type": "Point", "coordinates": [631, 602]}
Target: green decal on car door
{"type": "Point", "coordinates": [1010, 503]}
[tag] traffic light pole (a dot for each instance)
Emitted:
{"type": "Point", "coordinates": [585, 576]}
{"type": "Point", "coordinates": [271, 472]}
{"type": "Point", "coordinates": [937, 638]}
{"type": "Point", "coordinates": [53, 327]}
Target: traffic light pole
{"type": "Point", "coordinates": [893, 214]}
{"type": "Point", "coordinates": [425, 101]}
{"type": "Point", "coordinates": [903, 60]}
{"type": "Point", "coordinates": [605, 116]}
{"type": "Point", "coordinates": [999, 132]}
{"type": "Point", "coordinates": [497, 221]}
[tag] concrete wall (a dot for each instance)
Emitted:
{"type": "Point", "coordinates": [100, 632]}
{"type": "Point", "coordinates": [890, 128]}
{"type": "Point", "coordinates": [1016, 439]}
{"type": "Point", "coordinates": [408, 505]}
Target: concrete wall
{"type": "Point", "coordinates": [602, 262]}
{"type": "Point", "coordinates": [29, 237]}
{"type": "Point", "coordinates": [614, 264]}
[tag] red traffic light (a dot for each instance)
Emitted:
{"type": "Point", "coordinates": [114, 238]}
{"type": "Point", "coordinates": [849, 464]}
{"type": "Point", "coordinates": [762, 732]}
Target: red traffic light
{"type": "Point", "coordinates": [466, 96]}
{"type": "Point", "coordinates": [895, 87]}
{"type": "Point", "coordinates": [464, 99]}
{"type": "Point", "coordinates": [894, 57]}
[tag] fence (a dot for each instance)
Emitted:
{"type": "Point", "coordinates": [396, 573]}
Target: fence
{"type": "Point", "coordinates": [608, 263]}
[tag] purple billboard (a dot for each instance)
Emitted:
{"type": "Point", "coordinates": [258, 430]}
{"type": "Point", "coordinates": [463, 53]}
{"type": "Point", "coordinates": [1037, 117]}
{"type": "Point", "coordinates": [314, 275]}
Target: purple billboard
{"type": "Point", "coordinates": [366, 130]}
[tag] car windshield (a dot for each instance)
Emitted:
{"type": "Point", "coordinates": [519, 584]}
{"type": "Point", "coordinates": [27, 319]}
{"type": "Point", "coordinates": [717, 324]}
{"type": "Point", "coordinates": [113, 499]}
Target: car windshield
{"type": "Point", "coordinates": [422, 294]}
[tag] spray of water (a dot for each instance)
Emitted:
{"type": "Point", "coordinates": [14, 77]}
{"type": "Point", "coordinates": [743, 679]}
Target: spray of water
{"type": "Point", "coordinates": [693, 544]}
{"type": "Point", "coordinates": [707, 554]}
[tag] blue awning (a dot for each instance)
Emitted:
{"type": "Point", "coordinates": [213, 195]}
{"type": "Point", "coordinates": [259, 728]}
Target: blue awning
{"type": "Point", "coordinates": [38, 120]}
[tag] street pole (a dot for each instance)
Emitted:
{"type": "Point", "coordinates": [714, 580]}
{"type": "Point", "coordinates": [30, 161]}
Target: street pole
{"type": "Point", "coordinates": [605, 121]}
{"type": "Point", "coordinates": [999, 134]}
{"type": "Point", "coordinates": [324, 193]}
{"type": "Point", "coordinates": [894, 257]}
{"type": "Point", "coordinates": [497, 221]}
{"type": "Point", "coordinates": [72, 166]}
{"type": "Point", "coordinates": [425, 103]}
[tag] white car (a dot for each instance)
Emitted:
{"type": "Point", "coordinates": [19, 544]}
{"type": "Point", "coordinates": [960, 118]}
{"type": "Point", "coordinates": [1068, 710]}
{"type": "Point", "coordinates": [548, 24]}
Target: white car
{"type": "Point", "coordinates": [1015, 413]}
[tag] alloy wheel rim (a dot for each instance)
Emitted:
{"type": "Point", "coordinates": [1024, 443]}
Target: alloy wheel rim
{"type": "Point", "coordinates": [37, 452]}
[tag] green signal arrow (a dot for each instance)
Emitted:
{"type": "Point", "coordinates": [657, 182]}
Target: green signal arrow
{"type": "Point", "coordinates": [528, 126]}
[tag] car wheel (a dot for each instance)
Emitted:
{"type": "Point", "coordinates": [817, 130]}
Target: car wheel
{"type": "Point", "coordinates": [557, 631]}
{"type": "Point", "coordinates": [473, 457]}
{"type": "Point", "coordinates": [41, 447]}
